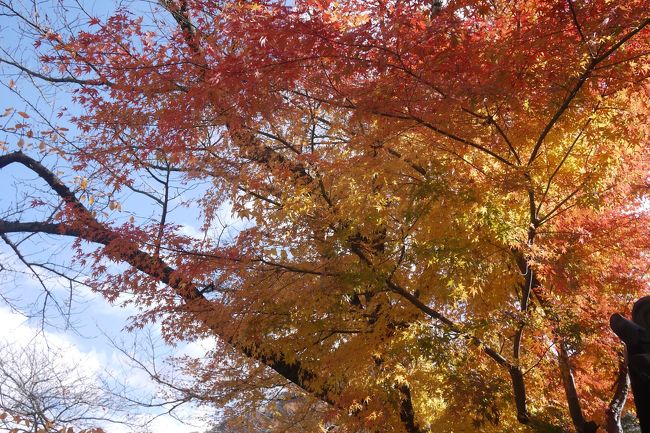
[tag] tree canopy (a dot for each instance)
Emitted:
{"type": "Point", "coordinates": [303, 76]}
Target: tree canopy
{"type": "Point", "coordinates": [441, 203]}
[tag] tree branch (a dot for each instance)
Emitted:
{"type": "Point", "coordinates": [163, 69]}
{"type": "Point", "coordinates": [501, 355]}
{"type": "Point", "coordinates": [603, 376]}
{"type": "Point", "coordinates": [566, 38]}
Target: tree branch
{"type": "Point", "coordinates": [89, 229]}
{"type": "Point", "coordinates": [56, 80]}
{"type": "Point", "coordinates": [578, 85]}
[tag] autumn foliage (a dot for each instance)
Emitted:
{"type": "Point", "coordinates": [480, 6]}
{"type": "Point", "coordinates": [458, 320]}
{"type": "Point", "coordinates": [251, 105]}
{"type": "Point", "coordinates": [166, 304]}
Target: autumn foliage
{"type": "Point", "coordinates": [441, 204]}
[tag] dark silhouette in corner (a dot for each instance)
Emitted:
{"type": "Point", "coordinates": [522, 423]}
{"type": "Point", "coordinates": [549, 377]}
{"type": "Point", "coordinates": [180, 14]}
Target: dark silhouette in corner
{"type": "Point", "coordinates": [635, 334]}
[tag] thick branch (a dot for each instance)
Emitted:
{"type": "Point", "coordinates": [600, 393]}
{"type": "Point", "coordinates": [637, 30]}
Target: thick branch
{"type": "Point", "coordinates": [406, 411]}
{"type": "Point", "coordinates": [86, 227]}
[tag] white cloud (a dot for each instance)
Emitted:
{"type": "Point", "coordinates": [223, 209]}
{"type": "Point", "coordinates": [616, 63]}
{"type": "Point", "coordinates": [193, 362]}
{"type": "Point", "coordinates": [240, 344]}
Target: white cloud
{"type": "Point", "coordinates": [199, 348]}
{"type": "Point", "coordinates": [191, 231]}
{"type": "Point", "coordinates": [16, 330]}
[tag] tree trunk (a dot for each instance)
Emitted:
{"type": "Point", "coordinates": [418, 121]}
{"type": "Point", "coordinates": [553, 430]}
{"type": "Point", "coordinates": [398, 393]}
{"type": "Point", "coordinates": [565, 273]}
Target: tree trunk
{"type": "Point", "coordinates": [575, 410]}
{"type": "Point", "coordinates": [615, 408]}
{"type": "Point", "coordinates": [519, 391]}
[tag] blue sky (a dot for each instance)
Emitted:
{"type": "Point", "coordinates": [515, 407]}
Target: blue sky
{"type": "Point", "coordinates": [92, 319]}
{"type": "Point", "coordinates": [101, 361]}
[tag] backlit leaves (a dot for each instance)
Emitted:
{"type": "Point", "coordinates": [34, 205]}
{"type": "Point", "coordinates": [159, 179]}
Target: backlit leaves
{"type": "Point", "coordinates": [430, 200]}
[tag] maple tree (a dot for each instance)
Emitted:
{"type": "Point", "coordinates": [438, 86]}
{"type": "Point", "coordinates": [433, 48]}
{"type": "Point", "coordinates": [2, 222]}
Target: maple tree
{"type": "Point", "coordinates": [443, 202]}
